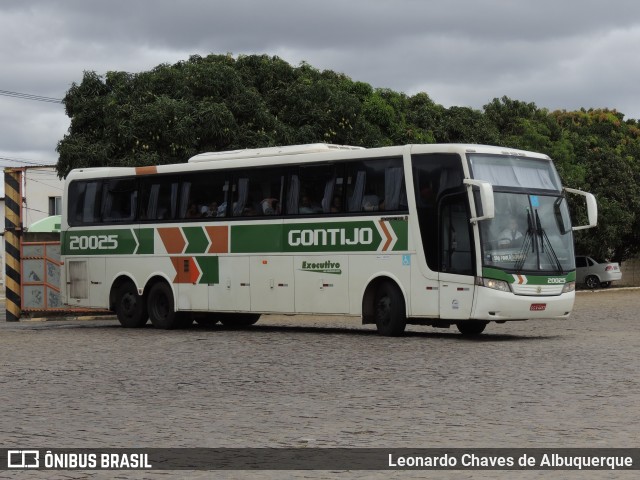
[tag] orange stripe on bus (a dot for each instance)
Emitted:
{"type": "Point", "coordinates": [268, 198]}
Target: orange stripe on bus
{"type": "Point", "coordinates": [387, 234]}
{"type": "Point", "coordinates": [173, 240]}
{"type": "Point", "coordinates": [186, 270]}
{"type": "Point", "coordinates": [219, 236]}
{"type": "Point", "coordinates": [150, 170]}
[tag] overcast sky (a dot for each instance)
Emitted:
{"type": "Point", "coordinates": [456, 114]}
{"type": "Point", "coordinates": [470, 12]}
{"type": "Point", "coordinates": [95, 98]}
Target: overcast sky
{"type": "Point", "coordinates": [560, 54]}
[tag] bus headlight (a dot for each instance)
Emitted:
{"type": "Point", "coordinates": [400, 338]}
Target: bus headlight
{"type": "Point", "coordinates": [569, 287]}
{"type": "Point", "coordinates": [494, 284]}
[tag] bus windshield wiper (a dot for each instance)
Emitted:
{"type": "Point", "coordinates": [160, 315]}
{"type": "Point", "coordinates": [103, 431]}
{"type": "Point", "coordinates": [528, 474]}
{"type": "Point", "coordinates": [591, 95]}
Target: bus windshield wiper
{"type": "Point", "coordinates": [528, 241]}
{"type": "Point", "coordinates": [544, 240]}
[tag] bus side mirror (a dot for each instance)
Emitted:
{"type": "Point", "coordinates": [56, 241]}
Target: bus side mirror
{"type": "Point", "coordinates": [592, 208]}
{"type": "Point", "coordinates": [486, 199]}
{"type": "Point", "coordinates": [560, 219]}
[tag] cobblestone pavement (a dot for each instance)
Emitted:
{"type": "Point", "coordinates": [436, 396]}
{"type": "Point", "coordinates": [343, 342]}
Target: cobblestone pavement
{"type": "Point", "coordinates": [326, 382]}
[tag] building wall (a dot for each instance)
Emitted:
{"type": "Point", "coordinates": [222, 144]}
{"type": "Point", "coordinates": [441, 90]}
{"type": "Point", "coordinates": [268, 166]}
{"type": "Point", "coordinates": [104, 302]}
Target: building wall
{"type": "Point", "coordinates": [630, 273]}
{"type": "Point", "coordinates": [39, 183]}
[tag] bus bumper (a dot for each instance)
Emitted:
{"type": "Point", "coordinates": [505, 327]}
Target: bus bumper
{"type": "Point", "coordinates": [494, 305]}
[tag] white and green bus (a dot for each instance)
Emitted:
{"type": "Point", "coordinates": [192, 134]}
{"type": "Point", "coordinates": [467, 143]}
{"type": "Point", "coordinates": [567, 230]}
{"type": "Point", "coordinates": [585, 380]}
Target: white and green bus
{"type": "Point", "coordinates": [435, 235]}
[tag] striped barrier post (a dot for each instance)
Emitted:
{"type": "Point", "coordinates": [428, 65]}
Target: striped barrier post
{"type": "Point", "coordinates": [13, 231]}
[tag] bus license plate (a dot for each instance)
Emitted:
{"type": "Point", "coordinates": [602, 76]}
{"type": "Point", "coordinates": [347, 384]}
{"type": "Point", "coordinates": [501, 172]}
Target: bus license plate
{"type": "Point", "coordinates": [538, 307]}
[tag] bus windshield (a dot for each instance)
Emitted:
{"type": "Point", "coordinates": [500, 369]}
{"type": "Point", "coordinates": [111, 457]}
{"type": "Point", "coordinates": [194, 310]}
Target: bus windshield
{"type": "Point", "coordinates": [515, 172]}
{"type": "Point", "coordinates": [530, 233]}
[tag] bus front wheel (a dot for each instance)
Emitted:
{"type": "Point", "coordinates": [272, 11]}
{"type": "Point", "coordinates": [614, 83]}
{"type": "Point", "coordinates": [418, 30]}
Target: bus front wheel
{"type": "Point", "coordinates": [471, 328]}
{"type": "Point", "coordinates": [130, 307]}
{"type": "Point", "coordinates": [389, 308]}
{"type": "Point", "coordinates": [161, 309]}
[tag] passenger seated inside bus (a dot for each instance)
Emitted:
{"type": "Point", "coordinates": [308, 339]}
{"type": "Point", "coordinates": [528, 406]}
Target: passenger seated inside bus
{"type": "Point", "coordinates": [211, 210]}
{"type": "Point", "coordinates": [336, 205]}
{"type": "Point", "coordinates": [305, 205]}
{"type": "Point", "coordinates": [249, 211]}
{"type": "Point", "coordinates": [270, 206]}
{"type": "Point", "coordinates": [192, 211]}
{"type": "Point", "coordinates": [370, 203]}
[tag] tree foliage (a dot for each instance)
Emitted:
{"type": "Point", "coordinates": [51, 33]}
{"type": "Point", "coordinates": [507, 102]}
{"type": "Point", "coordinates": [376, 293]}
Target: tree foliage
{"type": "Point", "coordinates": [219, 102]}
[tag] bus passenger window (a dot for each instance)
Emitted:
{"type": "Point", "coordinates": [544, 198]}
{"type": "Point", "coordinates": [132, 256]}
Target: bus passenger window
{"type": "Point", "coordinates": [312, 190]}
{"type": "Point", "coordinates": [120, 200]}
{"type": "Point", "coordinates": [158, 198]}
{"type": "Point", "coordinates": [258, 192]}
{"type": "Point", "coordinates": [84, 203]}
{"type": "Point", "coordinates": [204, 195]}
{"type": "Point", "coordinates": [375, 185]}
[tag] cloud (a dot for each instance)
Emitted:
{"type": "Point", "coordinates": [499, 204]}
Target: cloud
{"type": "Point", "coordinates": [33, 124]}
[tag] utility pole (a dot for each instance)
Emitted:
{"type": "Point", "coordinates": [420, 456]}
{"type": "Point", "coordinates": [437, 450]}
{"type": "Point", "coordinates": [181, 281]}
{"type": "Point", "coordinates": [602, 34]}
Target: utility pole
{"type": "Point", "coordinates": [12, 238]}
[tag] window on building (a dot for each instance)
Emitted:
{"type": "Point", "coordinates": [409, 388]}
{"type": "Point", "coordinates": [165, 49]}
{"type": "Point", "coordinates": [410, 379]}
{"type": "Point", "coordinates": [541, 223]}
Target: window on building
{"type": "Point", "coordinates": [55, 205]}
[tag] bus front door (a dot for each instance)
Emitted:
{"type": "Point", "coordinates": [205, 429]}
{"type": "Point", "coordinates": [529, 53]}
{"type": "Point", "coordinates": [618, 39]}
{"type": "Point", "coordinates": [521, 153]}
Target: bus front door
{"type": "Point", "coordinates": [456, 276]}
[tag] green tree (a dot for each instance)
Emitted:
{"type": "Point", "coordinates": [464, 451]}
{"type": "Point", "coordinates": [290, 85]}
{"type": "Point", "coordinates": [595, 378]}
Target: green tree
{"type": "Point", "coordinates": [605, 162]}
{"type": "Point", "coordinates": [218, 102]}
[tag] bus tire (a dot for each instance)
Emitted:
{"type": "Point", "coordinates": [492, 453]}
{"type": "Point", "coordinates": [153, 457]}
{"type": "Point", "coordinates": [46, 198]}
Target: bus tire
{"type": "Point", "coordinates": [471, 328]}
{"type": "Point", "coordinates": [160, 305]}
{"type": "Point", "coordinates": [240, 320]}
{"type": "Point", "coordinates": [130, 308]}
{"type": "Point", "coordinates": [389, 308]}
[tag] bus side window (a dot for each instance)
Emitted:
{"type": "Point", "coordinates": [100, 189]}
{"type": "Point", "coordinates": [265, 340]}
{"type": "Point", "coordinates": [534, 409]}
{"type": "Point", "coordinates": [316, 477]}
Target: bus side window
{"type": "Point", "coordinates": [395, 193]}
{"type": "Point", "coordinates": [203, 194]}
{"type": "Point", "coordinates": [355, 190]}
{"type": "Point", "coordinates": [84, 203]}
{"type": "Point", "coordinates": [313, 190]}
{"type": "Point", "coordinates": [120, 198]}
{"type": "Point", "coordinates": [258, 192]}
{"type": "Point", "coordinates": [158, 198]}
{"type": "Point", "coordinates": [375, 185]}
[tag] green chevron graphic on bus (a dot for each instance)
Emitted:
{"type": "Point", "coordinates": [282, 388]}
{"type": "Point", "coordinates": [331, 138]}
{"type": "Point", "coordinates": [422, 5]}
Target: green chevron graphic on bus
{"type": "Point", "coordinates": [197, 241]}
{"type": "Point", "coordinates": [144, 237]}
{"type": "Point", "coordinates": [108, 242]}
{"type": "Point", "coordinates": [356, 236]}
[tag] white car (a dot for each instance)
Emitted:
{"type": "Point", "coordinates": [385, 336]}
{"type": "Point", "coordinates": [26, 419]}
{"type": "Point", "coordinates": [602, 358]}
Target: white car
{"type": "Point", "coordinates": [596, 274]}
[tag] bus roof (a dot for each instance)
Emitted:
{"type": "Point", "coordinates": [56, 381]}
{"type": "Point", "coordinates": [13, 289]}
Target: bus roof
{"type": "Point", "coordinates": [271, 151]}
{"type": "Point", "coordinates": [285, 155]}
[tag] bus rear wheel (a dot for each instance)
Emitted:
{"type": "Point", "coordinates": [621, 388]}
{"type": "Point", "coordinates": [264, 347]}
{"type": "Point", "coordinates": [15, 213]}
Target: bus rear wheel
{"type": "Point", "coordinates": [389, 308]}
{"type": "Point", "coordinates": [161, 308]}
{"type": "Point", "coordinates": [130, 307]}
{"type": "Point", "coordinates": [471, 328]}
